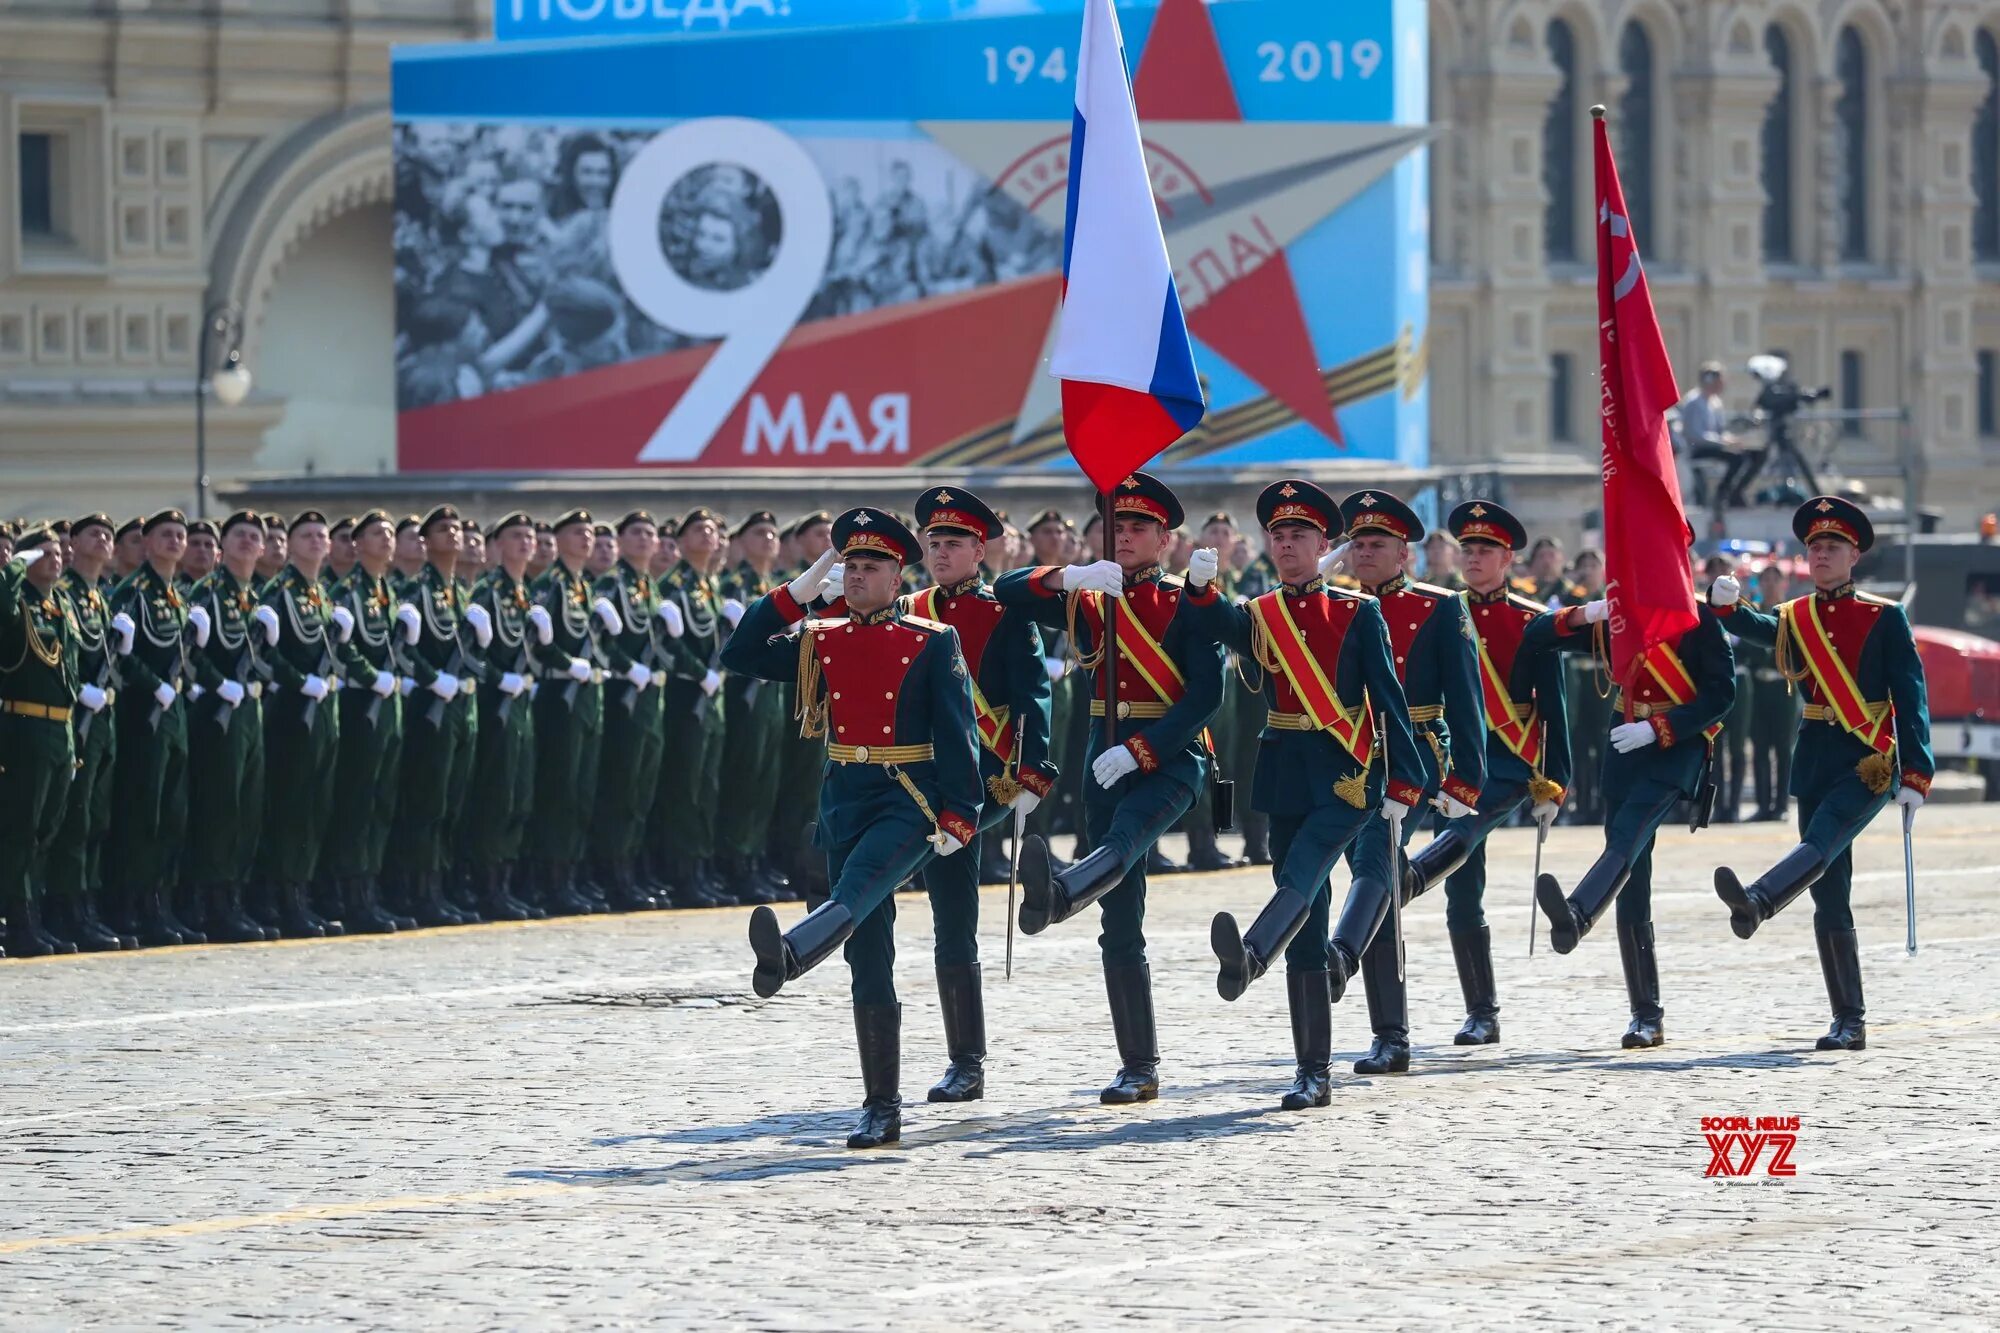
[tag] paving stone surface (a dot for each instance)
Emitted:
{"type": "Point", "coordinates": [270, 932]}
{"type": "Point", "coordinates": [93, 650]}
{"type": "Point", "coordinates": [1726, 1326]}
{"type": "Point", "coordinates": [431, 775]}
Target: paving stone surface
{"type": "Point", "coordinates": [593, 1123]}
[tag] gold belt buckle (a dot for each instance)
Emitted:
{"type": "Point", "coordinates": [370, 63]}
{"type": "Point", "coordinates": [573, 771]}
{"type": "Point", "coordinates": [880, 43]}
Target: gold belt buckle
{"type": "Point", "coordinates": [860, 754]}
{"type": "Point", "coordinates": [1124, 708]}
{"type": "Point", "coordinates": [1642, 711]}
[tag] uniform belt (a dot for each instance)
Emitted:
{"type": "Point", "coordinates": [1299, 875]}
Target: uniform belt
{"type": "Point", "coordinates": [880, 754]}
{"type": "Point", "coordinates": [1127, 708]}
{"type": "Point", "coordinates": [1769, 675]}
{"type": "Point", "coordinates": [22, 708]}
{"type": "Point", "coordinates": [1640, 712]}
{"type": "Point", "coordinates": [1825, 713]}
{"type": "Point", "coordinates": [1521, 711]}
{"type": "Point", "coordinates": [1423, 713]}
{"type": "Point", "coordinates": [1277, 721]}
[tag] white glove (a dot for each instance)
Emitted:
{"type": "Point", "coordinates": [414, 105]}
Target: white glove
{"type": "Point", "coordinates": [1055, 666]}
{"type": "Point", "coordinates": [607, 614]}
{"type": "Point", "coordinates": [639, 676]}
{"type": "Point", "coordinates": [670, 617]}
{"type": "Point", "coordinates": [412, 623]}
{"type": "Point", "coordinates": [91, 697]}
{"type": "Point", "coordinates": [1909, 797]}
{"type": "Point", "coordinates": [1024, 802]}
{"type": "Point", "coordinates": [385, 683]}
{"type": "Point", "coordinates": [1724, 591]}
{"type": "Point", "coordinates": [1451, 807]}
{"type": "Point", "coordinates": [268, 618]}
{"type": "Point", "coordinates": [1594, 612]}
{"type": "Point", "coordinates": [344, 618]}
{"type": "Point", "coordinates": [467, 685]}
{"type": "Point", "coordinates": [512, 683]}
{"type": "Point", "coordinates": [407, 684]}
{"type": "Point", "coordinates": [945, 843]}
{"type": "Point", "coordinates": [196, 691]}
{"type": "Point", "coordinates": [807, 587]}
{"type": "Point", "coordinates": [1544, 813]}
{"type": "Point", "coordinates": [198, 618]}
{"type": "Point", "coordinates": [1629, 736]}
{"type": "Point", "coordinates": [834, 579]}
{"type": "Point", "coordinates": [1202, 566]}
{"type": "Point", "coordinates": [26, 558]}
{"type": "Point", "coordinates": [732, 611]}
{"type": "Point", "coordinates": [445, 686]}
{"type": "Point", "coordinates": [482, 624]}
{"type": "Point", "coordinates": [659, 679]}
{"type": "Point", "coordinates": [122, 625]}
{"type": "Point", "coordinates": [165, 695]}
{"type": "Point", "coordinates": [579, 669]}
{"type": "Point", "coordinates": [1101, 576]}
{"type": "Point", "coordinates": [1331, 560]}
{"type": "Point", "coordinates": [545, 629]}
{"type": "Point", "coordinates": [1112, 765]}
{"type": "Point", "coordinates": [230, 692]}
{"type": "Point", "coordinates": [1394, 812]}
{"type": "Point", "coordinates": [711, 683]}
{"type": "Point", "coordinates": [314, 687]}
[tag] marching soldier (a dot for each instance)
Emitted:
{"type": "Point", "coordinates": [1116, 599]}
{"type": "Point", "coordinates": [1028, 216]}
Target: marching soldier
{"type": "Point", "coordinates": [340, 552]}
{"type": "Point", "coordinates": [633, 718]}
{"type": "Point", "coordinates": [1661, 752]}
{"type": "Point", "coordinates": [408, 562]}
{"type": "Point", "coordinates": [1864, 742]}
{"type": "Point", "coordinates": [38, 690]}
{"type": "Point", "coordinates": [755, 713]}
{"type": "Point", "coordinates": [204, 549]}
{"type": "Point", "coordinates": [1331, 684]}
{"type": "Point", "coordinates": [1527, 755]}
{"type": "Point", "coordinates": [1435, 658]}
{"type": "Point", "coordinates": [503, 771]}
{"type": "Point", "coordinates": [691, 773]}
{"type": "Point", "coordinates": [890, 691]}
{"type": "Point", "coordinates": [149, 788]}
{"type": "Point", "coordinates": [569, 713]}
{"type": "Point", "coordinates": [1147, 760]}
{"type": "Point", "coordinates": [439, 722]}
{"type": "Point", "coordinates": [371, 733]}
{"type": "Point", "coordinates": [1002, 649]}
{"type": "Point", "coordinates": [277, 539]}
{"type": "Point", "coordinates": [128, 550]}
{"type": "Point", "coordinates": [226, 741]}
{"type": "Point", "coordinates": [76, 862]}
{"type": "Point", "coordinates": [1774, 712]}
{"type": "Point", "coordinates": [803, 758]}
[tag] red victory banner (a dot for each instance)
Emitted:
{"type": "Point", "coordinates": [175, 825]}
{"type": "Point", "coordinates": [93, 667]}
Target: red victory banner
{"type": "Point", "coordinates": [1645, 528]}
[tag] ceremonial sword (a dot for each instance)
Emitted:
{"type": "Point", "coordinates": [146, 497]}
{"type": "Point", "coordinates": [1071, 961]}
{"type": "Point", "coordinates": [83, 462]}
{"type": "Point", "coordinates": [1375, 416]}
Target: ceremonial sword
{"type": "Point", "coordinates": [1014, 878]}
{"type": "Point", "coordinates": [1541, 836]}
{"type": "Point", "coordinates": [1909, 883]}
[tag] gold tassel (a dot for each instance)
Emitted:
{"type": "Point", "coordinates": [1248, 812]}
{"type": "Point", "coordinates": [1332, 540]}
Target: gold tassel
{"type": "Point", "coordinates": [1783, 657]}
{"type": "Point", "coordinates": [1542, 789]}
{"type": "Point", "coordinates": [1353, 789]}
{"type": "Point", "coordinates": [809, 708]}
{"type": "Point", "coordinates": [1875, 772]}
{"type": "Point", "coordinates": [1003, 788]}
{"type": "Point", "coordinates": [1437, 748]}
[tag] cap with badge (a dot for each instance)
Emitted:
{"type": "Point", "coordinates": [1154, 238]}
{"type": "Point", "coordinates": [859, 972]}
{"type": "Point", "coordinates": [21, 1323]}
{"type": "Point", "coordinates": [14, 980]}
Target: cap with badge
{"type": "Point", "coordinates": [163, 519]}
{"type": "Point", "coordinates": [91, 521]}
{"type": "Point", "coordinates": [869, 531]}
{"type": "Point", "coordinates": [762, 517]}
{"type": "Point", "coordinates": [36, 534]}
{"type": "Point", "coordinates": [573, 518]}
{"type": "Point", "coordinates": [520, 518]}
{"type": "Point", "coordinates": [370, 519]}
{"type": "Point", "coordinates": [244, 518]}
{"type": "Point", "coordinates": [633, 519]}
{"type": "Point", "coordinates": [1831, 516]}
{"type": "Point", "coordinates": [129, 525]}
{"type": "Point", "coordinates": [1295, 500]}
{"type": "Point", "coordinates": [1379, 511]}
{"type": "Point", "coordinates": [1143, 495]}
{"type": "Point", "coordinates": [811, 520]}
{"type": "Point", "coordinates": [1050, 516]}
{"type": "Point", "coordinates": [342, 524]}
{"type": "Point", "coordinates": [442, 514]}
{"type": "Point", "coordinates": [204, 527]}
{"type": "Point", "coordinates": [1485, 521]}
{"type": "Point", "coordinates": [696, 515]}
{"type": "Point", "coordinates": [955, 509]}
{"type": "Point", "coordinates": [304, 517]}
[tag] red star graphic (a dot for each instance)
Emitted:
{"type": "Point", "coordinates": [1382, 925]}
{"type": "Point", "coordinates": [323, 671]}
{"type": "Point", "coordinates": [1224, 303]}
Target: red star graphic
{"type": "Point", "coordinates": [1256, 322]}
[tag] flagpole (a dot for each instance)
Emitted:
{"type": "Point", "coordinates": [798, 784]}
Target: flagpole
{"type": "Point", "coordinates": [1109, 665]}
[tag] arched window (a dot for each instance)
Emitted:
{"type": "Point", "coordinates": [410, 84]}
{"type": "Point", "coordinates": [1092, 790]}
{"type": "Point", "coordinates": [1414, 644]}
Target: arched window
{"type": "Point", "coordinates": [1635, 134]}
{"type": "Point", "coordinates": [1986, 155]}
{"type": "Point", "coordinates": [1559, 148]}
{"type": "Point", "coordinates": [1776, 171]}
{"type": "Point", "coordinates": [1850, 121]}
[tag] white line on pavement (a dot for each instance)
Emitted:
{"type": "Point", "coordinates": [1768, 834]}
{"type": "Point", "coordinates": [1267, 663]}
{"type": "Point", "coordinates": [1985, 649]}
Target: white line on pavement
{"type": "Point", "coordinates": [138, 1108]}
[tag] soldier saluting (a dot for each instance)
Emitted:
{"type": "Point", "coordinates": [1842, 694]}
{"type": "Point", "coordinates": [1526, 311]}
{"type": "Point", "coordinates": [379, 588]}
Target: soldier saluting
{"type": "Point", "coordinates": [890, 691]}
{"type": "Point", "coordinates": [1864, 740]}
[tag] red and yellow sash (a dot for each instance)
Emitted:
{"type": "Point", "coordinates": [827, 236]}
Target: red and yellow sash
{"type": "Point", "coordinates": [1138, 649]}
{"type": "Point", "coordinates": [1666, 667]}
{"type": "Point", "coordinates": [995, 725]}
{"type": "Point", "coordinates": [1355, 731]}
{"type": "Point", "coordinates": [1836, 683]}
{"type": "Point", "coordinates": [1519, 734]}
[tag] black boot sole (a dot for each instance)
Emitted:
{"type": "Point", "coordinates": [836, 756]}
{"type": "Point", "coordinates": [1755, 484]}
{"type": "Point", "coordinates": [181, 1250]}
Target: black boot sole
{"type": "Point", "coordinates": [1124, 1093]}
{"type": "Point", "coordinates": [1235, 975]}
{"type": "Point", "coordinates": [767, 941]}
{"type": "Point", "coordinates": [1743, 915]}
{"type": "Point", "coordinates": [890, 1133]}
{"type": "Point", "coordinates": [1038, 894]}
{"type": "Point", "coordinates": [1563, 932]}
{"type": "Point", "coordinates": [1859, 1042]}
{"type": "Point", "coordinates": [1639, 1038]}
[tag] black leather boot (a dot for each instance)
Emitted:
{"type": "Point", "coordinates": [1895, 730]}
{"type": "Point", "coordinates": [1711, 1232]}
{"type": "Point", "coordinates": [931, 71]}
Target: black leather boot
{"type": "Point", "coordinates": [963, 1002]}
{"type": "Point", "coordinates": [776, 880]}
{"type": "Point", "coordinates": [808, 869]}
{"type": "Point", "coordinates": [687, 890]}
{"type": "Point", "coordinates": [1363, 918]}
{"type": "Point", "coordinates": [1204, 853]}
{"type": "Point", "coordinates": [95, 924]}
{"type": "Point", "coordinates": [713, 884]}
{"type": "Point", "coordinates": [1388, 1011]}
{"type": "Point", "coordinates": [1840, 964]}
{"type": "Point", "coordinates": [558, 894]}
{"type": "Point", "coordinates": [1437, 859]}
{"type": "Point", "coordinates": [1642, 987]}
{"type": "Point", "coordinates": [1472, 950]}
{"type": "Point", "coordinates": [1244, 957]}
{"type": "Point", "coordinates": [1053, 890]}
{"type": "Point", "coordinates": [227, 923]}
{"type": "Point", "coordinates": [878, 1032]}
{"type": "Point", "coordinates": [511, 877]}
{"type": "Point", "coordinates": [157, 928]}
{"type": "Point", "coordinates": [1751, 907]}
{"type": "Point", "coordinates": [359, 911]}
{"type": "Point", "coordinates": [1311, 1004]}
{"type": "Point", "coordinates": [25, 936]}
{"type": "Point", "coordinates": [325, 894]}
{"type": "Point", "coordinates": [1130, 989]}
{"type": "Point", "coordinates": [787, 956]}
{"type": "Point", "coordinates": [1571, 918]}
{"type": "Point", "coordinates": [1256, 837]}
{"type": "Point", "coordinates": [622, 888]}
{"type": "Point", "coordinates": [1159, 863]}
{"type": "Point", "coordinates": [261, 904]}
{"type": "Point", "coordinates": [170, 896]}
{"type": "Point", "coordinates": [77, 923]}
{"type": "Point", "coordinates": [582, 881]}
{"type": "Point", "coordinates": [373, 884]}
{"type": "Point", "coordinates": [297, 920]}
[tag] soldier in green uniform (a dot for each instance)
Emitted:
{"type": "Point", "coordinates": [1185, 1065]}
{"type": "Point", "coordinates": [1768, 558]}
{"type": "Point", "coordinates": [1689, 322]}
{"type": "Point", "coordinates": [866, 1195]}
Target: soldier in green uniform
{"type": "Point", "coordinates": [277, 540]}
{"type": "Point", "coordinates": [503, 770]}
{"type": "Point", "coordinates": [690, 775]}
{"type": "Point", "coordinates": [1774, 711]}
{"type": "Point", "coordinates": [340, 552]}
{"type": "Point", "coordinates": [408, 561]}
{"type": "Point", "coordinates": [756, 716]}
{"type": "Point", "coordinates": [439, 724]}
{"type": "Point", "coordinates": [38, 690]}
{"type": "Point", "coordinates": [629, 766]}
{"type": "Point", "coordinates": [149, 789]}
{"type": "Point", "coordinates": [1240, 754]}
{"type": "Point", "coordinates": [226, 754]}
{"type": "Point", "coordinates": [569, 714]}
{"type": "Point", "coordinates": [801, 759]}
{"type": "Point", "coordinates": [128, 550]}
{"type": "Point", "coordinates": [368, 761]}
{"type": "Point", "coordinates": [76, 870]}
{"type": "Point", "coordinates": [204, 551]}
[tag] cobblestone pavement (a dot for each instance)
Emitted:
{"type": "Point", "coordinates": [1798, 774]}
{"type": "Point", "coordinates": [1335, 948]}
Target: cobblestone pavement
{"type": "Point", "coordinates": [593, 1123]}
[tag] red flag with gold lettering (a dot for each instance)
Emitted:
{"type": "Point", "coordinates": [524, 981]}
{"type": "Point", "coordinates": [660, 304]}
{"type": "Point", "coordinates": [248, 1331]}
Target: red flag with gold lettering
{"type": "Point", "coordinates": [1646, 530]}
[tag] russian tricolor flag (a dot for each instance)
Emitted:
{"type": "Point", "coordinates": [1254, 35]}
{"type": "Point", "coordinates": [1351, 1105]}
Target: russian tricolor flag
{"type": "Point", "coordinates": [1129, 387]}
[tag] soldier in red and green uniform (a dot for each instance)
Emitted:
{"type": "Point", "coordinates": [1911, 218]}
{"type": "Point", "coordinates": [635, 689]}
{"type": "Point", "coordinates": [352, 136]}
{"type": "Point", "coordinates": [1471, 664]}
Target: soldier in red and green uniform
{"type": "Point", "coordinates": [38, 690]}
{"type": "Point", "coordinates": [1864, 742]}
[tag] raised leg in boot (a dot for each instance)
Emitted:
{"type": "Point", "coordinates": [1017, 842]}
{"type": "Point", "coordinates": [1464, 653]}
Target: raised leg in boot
{"type": "Point", "coordinates": [784, 956]}
{"type": "Point", "coordinates": [1242, 957]}
{"type": "Point", "coordinates": [1752, 905]}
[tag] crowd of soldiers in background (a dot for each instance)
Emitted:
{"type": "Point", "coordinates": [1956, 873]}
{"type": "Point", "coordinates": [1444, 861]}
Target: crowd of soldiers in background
{"type": "Point", "coordinates": [634, 775]}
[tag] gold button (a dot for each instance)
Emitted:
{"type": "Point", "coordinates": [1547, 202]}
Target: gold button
{"type": "Point", "coordinates": [836, 694]}
{"type": "Point", "coordinates": [861, 753]}
{"type": "Point", "coordinates": [889, 694]}
{"type": "Point", "coordinates": [842, 729]}
{"type": "Point", "coordinates": [887, 732]}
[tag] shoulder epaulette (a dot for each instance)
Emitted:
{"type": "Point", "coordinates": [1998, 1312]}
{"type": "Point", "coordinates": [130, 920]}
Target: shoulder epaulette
{"type": "Point", "coordinates": [1430, 590]}
{"type": "Point", "coordinates": [820, 624]}
{"type": "Point", "coordinates": [934, 626]}
{"type": "Point", "coordinates": [1515, 599]}
{"type": "Point", "coordinates": [1874, 598]}
{"type": "Point", "coordinates": [1174, 581]}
